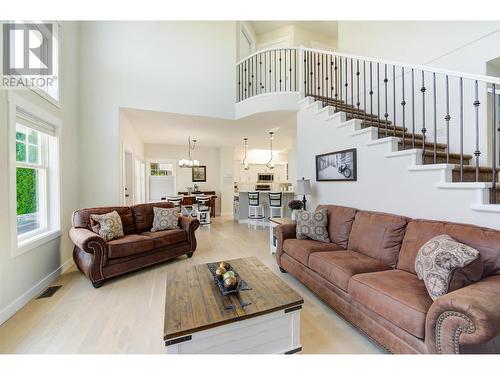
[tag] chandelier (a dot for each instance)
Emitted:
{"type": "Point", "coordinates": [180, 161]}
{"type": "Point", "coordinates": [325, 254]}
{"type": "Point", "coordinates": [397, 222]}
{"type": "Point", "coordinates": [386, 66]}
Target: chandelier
{"type": "Point", "coordinates": [270, 163]}
{"type": "Point", "coordinates": [244, 162]}
{"type": "Point", "coordinates": [189, 163]}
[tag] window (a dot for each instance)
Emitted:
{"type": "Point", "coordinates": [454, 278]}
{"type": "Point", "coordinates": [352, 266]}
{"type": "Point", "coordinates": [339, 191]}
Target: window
{"type": "Point", "coordinates": [34, 175]}
{"type": "Point", "coordinates": [31, 180]}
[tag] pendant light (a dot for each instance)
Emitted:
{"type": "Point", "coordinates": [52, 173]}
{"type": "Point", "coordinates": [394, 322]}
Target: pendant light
{"type": "Point", "coordinates": [246, 167]}
{"type": "Point", "coordinates": [189, 163]}
{"type": "Point", "coordinates": [270, 163]}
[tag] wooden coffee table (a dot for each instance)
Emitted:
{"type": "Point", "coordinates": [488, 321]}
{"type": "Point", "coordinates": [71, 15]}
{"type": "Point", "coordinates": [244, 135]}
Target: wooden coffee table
{"type": "Point", "coordinates": [199, 319]}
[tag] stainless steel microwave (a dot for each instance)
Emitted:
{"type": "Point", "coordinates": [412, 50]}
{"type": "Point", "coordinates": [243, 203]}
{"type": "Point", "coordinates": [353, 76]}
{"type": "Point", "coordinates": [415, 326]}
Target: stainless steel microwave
{"type": "Point", "coordinates": [265, 177]}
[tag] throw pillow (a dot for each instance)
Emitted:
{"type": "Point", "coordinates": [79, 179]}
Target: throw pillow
{"type": "Point", "coordinates": [110, 225]}
{"type": "Point", "coordinates": [165, 218]}
{"type": "Point", "coordinates": [438, 260]}
{"type": "Point", "coordinates": [313, 225]}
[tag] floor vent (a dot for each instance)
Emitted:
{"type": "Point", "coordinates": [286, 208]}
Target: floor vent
{"type": "Point", "coordinates": [49, 292]}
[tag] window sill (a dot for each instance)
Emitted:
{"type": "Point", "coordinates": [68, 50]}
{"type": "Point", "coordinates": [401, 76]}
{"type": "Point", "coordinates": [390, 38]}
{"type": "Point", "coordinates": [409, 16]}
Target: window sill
{"type": "Point", "coordinates": [35, 241]}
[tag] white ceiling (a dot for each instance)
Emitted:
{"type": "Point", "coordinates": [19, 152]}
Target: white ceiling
{"type": "Point", "coordinates": [327, 28]}
{"type": "Point", "coordinates": [174, 129]}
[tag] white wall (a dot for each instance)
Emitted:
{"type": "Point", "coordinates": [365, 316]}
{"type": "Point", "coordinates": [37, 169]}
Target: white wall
{"type": "Point", "coordinates": [383, 183]}
{"type": "Point", "coordinates": [22, 277]}
{"type": "Point", "coordinates": [183, 67]}
{"type": "Point", "coordinates": [295, 36]}
{"type": "Point", "coordinates": [455, 45]}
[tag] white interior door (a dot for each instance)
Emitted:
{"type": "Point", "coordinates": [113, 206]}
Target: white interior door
{"type": "Point", "coordinates": [128, 179]}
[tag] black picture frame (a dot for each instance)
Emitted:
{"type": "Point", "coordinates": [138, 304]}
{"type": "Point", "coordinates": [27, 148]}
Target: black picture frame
{"type": "Point", "coordinates": [331, 160]}
{"type": "Point", "coordinates": [199, 173]}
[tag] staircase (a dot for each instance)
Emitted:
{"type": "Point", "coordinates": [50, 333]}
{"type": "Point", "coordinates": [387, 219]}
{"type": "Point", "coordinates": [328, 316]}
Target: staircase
{"type": "Point", "coordinates": [450, 120]}
{"type": "Point", "coordinates": [435, 153]}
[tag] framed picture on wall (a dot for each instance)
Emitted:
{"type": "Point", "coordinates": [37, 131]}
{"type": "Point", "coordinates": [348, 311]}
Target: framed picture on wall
{"type": "Point", "coordinates": [199, 173]}
{"type": "Point", "coordinates": [337, 166]}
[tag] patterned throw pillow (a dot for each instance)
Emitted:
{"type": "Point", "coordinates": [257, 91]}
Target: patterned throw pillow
{"type": "Point", "coordinates": [110, 225]}
{"type": "Point", "coordinates": [438, 259]}
{"type": "Point", "coordinates": [313, 225]}
{"type": "Point", "coordinates": [165, 218]}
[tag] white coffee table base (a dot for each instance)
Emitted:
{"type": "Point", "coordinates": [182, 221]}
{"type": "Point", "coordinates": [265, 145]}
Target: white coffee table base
{"type": "Point", "coordinates": [274, 333]}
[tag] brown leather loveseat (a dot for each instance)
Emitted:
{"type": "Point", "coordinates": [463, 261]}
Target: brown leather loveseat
{"type": "Point", "coordinates": [367, 274]}
{"type": "Point", "coordinates": [100, 260]}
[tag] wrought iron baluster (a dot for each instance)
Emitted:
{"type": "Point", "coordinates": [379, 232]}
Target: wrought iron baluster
{"type": "Point", "coordinates": [281, 76]}
{"type": "Point", "coordinates": [413, 108]}
{"type": "Point", "coordinates": [346, 84]}
{"type": "Point", "coordinates": [461, 129]}
{"type": "Point", "coordinates": [357, 85]}
{"type": "Point", "coordinates": [295, 72]}
{"type": "Point", "coordinates": [352, 91]}
{"type": "Point", "coordinates": [434, 95]}
{"type": "Point", "coordinates": [477, 152]}
{"type": "Point", "coordinates": [245, 83]}
{"type": "Point", "coordinates": [332, 80]}
{"type": "Point", "coordinates": [394, 99]}
{"type": "Point", "coordinates": [371, 92]}
{"type": "Point", "coordinates": [364, 91]}
{"type": "Point", "coordinates": [424, 130]}
{"type": "Point", "coordinates": [403, 104]}
{"type": "Point", "coordinates": [378, 91]}
{"type": "Point", "coordinates": [336, 78]}
{"type": "Point", "coordinates": [341, 78]}
{"type": "Point", "coordinates": [494, 148]}
{"type": "Point", "coordinates": [386, 114]}
{"type": "Point", "coordinates": [320, 74]}
{"type": "Point", "coordinates": [447, 118]}
{"type": "Point", "coordinates": [275, 71]}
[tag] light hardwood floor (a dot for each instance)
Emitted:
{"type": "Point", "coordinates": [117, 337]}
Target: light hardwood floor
{"type": "Point", "coordinates": [126, 314]}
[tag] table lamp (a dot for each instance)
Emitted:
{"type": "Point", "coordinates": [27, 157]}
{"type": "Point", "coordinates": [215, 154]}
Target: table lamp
{"type": "Point", "coordinates": [303, 188]}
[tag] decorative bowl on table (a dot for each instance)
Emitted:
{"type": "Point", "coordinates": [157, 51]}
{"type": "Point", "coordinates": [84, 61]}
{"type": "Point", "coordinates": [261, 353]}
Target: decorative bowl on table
{"type": "Point", "coordinates": [226, 278]}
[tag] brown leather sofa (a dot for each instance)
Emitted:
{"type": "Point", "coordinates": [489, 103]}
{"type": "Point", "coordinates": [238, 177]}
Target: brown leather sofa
{"type": "Point", "coordinates": [367, 274]}
{"type": "Point", "coordinates": [100, 260]}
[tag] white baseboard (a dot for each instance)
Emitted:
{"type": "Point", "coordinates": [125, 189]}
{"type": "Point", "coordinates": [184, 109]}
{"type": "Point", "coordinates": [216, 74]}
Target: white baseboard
{"type": "Point", "coordinates": [33, 292]}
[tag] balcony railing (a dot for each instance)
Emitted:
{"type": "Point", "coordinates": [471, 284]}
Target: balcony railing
{"type": "Point", "coordinates": [268, 71]}
{"type": "Point", "coordinates": [447, 114]}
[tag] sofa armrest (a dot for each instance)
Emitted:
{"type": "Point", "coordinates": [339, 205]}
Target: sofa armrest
{"type": "Point", "coordinates": [90, 254]}
{"type": "Point", "coordinates": [87, 240]}
{"type": "Point", "coordinates": [283, 232]}
{"type": "Point", "coordinates": [190, 225]}
{"type": "Point", "coordinates": [467, 316]}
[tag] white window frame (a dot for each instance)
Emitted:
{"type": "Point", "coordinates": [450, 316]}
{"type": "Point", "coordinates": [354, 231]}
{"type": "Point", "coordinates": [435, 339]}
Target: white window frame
{"type": "Point", "coordinates": [50, 126]}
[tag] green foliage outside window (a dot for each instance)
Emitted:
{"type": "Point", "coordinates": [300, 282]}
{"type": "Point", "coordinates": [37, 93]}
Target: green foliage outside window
{"type": "Point", "coordinates": [26, 186]}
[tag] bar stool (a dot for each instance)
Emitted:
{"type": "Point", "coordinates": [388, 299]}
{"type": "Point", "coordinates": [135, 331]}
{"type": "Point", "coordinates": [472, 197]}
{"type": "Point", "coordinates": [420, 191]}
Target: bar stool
{"type": "Point", "coordinates": [255, 209]}
{"type": "Point", "coordinates": [203, 209]}
{"type": "Point", "coordinates": [275, 204]}
{"type": "Point", "coordinates": [176, 201]}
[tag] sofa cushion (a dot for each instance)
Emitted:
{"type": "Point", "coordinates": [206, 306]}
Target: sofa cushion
{"type": "Point", "coordinates": [167, 237]}
{"type": "Point", "coordinates": [301, 249]}
{"type": "Point", "coordinates": [339, 266]}
{"type": "Point", "coordinates": [131, 244]}
{"type": "Point", "coordinates": [165, 218]}
{"type": "Point", "coordinates": [143, 215]}
{"type": "Point", "coordinates": [418, 232]}
{"type": "Point", "coordinates": [397, 296]}
{"type": "Point", "coordinates": [340, 221]}
{"type": "Point", "coordinates": [81, 218]}
{"type": "Point", "coordinates": [110, 225]}
{"type": "Point", "coordinates": [313, 225]}
{"type": "Point", "coordinates": [439, 260]}
{"type": "Point", "coordinates": [378, 235]}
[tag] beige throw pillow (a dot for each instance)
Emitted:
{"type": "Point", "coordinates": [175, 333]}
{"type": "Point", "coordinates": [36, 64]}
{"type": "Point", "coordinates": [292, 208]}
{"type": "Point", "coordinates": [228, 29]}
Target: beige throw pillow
{"type": "Point", "coordinates": [313, 225]}
{"type": "Point", "coordinates": [110, 225]}
{"type": "Point", "coordinates": [165, 218]}
{"type": "Point", "coordinates": [437, 261]}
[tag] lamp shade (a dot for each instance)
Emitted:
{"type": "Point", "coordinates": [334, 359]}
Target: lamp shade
{"type": "Point", "coordinates": [303, 187]}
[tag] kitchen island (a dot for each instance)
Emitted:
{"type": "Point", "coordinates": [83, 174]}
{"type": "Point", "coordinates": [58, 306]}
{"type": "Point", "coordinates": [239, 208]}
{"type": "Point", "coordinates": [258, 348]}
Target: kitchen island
{"type": "Point", "coordinates": [241, 205]}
